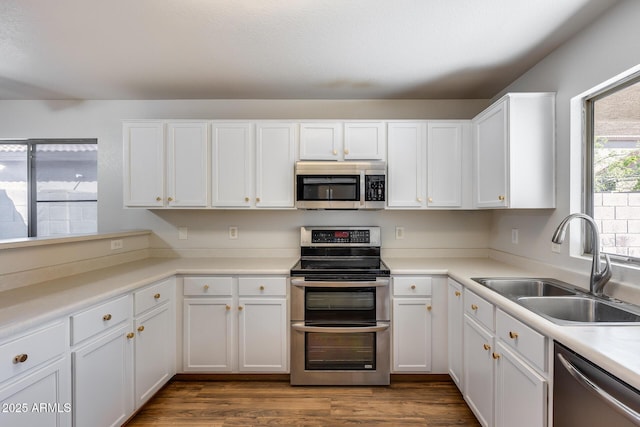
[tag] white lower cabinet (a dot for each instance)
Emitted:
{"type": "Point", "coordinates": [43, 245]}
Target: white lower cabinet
{"type": "Point", "coordinates": [419, 319]}
{"type": "Point", "coordinates": [123, 351]}
{"type": "Point", "coordinates": [505, 369]}
{"type": "Point", "coordinates": [235, 324]}
{"type": "Point", "coordinates": [155, 339]}
{"type": "Point", "coordinates": [456, 326]}
{"type": "Point", "coordinates": [103, 379]}
{"type": "Point", "coordinates": [35, 386]}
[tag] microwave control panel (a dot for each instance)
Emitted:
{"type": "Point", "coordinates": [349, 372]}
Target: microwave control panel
{"type": "Point", "coordinates": [374, 188]}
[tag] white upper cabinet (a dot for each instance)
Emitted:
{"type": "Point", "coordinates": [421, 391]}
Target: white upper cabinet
{"type": "Point", "coordinates": [143, 164]}
{"type": "Point", "coordinates": [165, 164]}
{"type": "Point", "coordinates": [514, 146]}
{"type": "Point", "coordinates": [364, 140]}
{"type": "Point", "coordinates": [321, 141]}
{"type": "Point", "coordinates": [406, 160]}
{"type": "Point", "coordinates": [275, 160]}
{"type": "Point", "coordinates": [448, 152]}
{"type": "Point", "coordinates": [187, 164]}
{"type": "Point", "coordinates": [253, 164]}
{"type": "Point", "coordinates": [358, 140]}
{"type": "Point", "coordinates": [232, 159]}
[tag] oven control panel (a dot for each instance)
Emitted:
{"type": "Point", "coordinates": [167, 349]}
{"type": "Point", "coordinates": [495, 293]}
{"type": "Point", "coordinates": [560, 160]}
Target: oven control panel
{"type": "Point", "coordinates": [340, 236]}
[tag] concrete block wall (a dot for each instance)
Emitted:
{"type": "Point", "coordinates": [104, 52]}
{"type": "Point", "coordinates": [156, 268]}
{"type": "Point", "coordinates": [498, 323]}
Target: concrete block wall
{"type": "Point", "coordinates": [617, 217]}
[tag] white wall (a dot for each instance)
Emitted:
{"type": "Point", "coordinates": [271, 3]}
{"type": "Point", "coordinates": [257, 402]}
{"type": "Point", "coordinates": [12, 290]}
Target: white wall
{"type": "Point", "coordinates": [262, 229]}
{"type": "Point", "coordinates": [602, 51]}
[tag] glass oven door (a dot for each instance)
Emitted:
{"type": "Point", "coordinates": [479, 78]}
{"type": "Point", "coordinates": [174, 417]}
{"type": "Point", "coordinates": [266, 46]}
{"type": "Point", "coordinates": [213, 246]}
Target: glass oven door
{"type": "Point", "coordinates": [340, 306]}
{"type": "Point", "coordinates": [339, 351]}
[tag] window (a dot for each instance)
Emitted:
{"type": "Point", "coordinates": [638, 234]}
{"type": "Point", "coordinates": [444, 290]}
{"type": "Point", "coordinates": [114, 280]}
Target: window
{"type": "Point", "coordinates": [613, 168]}
{"type": "Point", "coordinates": [48, 187]}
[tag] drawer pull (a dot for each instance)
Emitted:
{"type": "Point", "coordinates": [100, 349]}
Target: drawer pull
{"type": "Point", "coordinates": [140, 328]}
{"type": "Point", "coordinates": [228, 307]}
{"type": "Point", "coordinates": [157, 296]}
{"type": "Point", "coordinates": [206, 287]}
{"type": "Point", "coordinates": [513, 335]}
{"type": "Point", "coordinates": [240, 308]}
{"type": "Point", "coordinates": [487, 347]}
{"type": "Point", "coordinates": [21, 358]}
{"type": "Point", "coordinates": [474, 307]}
{"type": "Point", "coordinates": [106, 317]}
{"type": "Point", "coordinates": [413, 286]}
{"type": "Point", "coordinates": [496, 356]}
{"type": "Point", "coordinates": [262, 287]}
{"type": "Point", "coordinates": [130, 335]}
{"type": "Point", "coordinates": [457, 293]}
{"type": "Point", "coordinates": [429, 307]}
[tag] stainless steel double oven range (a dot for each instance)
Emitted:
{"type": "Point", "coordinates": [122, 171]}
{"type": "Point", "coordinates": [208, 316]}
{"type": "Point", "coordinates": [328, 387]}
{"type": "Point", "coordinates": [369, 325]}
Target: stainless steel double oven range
{"type": "Point", "coordinates": [340, 308]}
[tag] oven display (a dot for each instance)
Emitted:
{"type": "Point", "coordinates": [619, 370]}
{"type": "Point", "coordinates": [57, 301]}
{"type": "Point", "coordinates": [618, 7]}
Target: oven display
{"type": "Point", "coordinates": [340, 236]}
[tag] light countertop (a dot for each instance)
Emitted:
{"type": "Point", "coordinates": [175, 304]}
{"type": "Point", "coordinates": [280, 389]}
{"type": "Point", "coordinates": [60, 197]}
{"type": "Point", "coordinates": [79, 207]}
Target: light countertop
{"type": "Point", "coordinates": [614, 348]}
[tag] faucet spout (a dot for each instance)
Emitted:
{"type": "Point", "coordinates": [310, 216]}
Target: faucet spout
{"type": "Point", "coordinates": [599, 275]}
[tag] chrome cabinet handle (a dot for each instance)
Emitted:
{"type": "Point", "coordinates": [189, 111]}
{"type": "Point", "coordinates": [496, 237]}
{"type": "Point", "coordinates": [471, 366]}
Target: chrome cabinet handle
{"type": "Point", "coordinates": [590, 385]}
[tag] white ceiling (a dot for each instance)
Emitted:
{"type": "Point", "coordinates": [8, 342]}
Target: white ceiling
{"type": "Point", "coordinates": [278, 49]}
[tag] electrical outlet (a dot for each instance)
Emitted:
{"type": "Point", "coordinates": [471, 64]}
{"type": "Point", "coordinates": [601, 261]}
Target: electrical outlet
{"type": "Point", "coordinates": [399, 233]}
{"type": "Point", "coordinates": [183, 233]}
{"type": "Point", "coordinates": [555, 248]}
{"type": "Point", "coordinates": [117, 244]}
{"type": "Point", "coordinates": [514, 236]}
{"type": "Point", "coordinates": [233, 233]}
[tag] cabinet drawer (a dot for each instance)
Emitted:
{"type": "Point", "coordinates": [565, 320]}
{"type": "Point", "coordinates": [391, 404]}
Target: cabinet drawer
{"type": "Point", "coordinates": [152, 296]}
{"type": "Point", "coordinates": [23, 353]}
{"type": "Point", "coordinates": [208, 286]}
{"type": "Point", "coordinates": [252, 286]}
{"type": "Point", "coordinates": [99, 318]}
{"type": "Point", "coordinates": [406, 286]}
{"type": "Point", "coordinates": [479, 309]}
{"type": "Point", "coordinates": [528, 342]}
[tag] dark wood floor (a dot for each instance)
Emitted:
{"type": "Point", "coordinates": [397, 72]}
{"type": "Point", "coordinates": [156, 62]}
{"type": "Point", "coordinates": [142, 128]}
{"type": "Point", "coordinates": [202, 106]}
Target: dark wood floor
{"type": "Point", "coordinates": [276, 403]}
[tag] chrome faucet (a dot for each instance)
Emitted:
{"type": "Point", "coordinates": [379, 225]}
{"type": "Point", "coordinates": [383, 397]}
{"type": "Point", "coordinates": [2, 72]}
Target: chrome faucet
{"type": "Point", "coordinates": [599, 276]}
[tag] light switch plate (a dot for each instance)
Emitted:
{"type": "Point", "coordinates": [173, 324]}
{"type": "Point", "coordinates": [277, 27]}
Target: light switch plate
{"type": "Point", "coordinates": [233, 233]}
{"type": "Point", "coordinates": [183, 233]}
{"type": "Point", "coordinates": [399, 233]}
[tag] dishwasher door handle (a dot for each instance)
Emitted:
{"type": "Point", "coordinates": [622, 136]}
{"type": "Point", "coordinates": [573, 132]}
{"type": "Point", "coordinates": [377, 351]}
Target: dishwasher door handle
{"type": "Point", "coordinates": [590, 385]}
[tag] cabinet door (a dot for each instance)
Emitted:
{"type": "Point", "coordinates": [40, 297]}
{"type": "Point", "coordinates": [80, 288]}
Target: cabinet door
{"type": "Point", "coordinates": [406, 164]}
{"type": "Point", "coordinates": [456, 326]}
{"type": "Point", "coordinates": [527, 407]}
{"type": "Point", "coordinates": [187, 164]}
{"type": "Point", "coordinates": [232, 161]}
{"type": "Point", "coordinates": [478, 371]}
{"type": "Point", "coordinates": [103, 380]}
{"type": "Point", "coordinates": [412, 334]}
{"type": "Point", "coordinates": [143, 164]}
{"type": "Point", "coordinates": [208, 332]}
{"type": "Point", "coordinates": [39, 398]}
{"type": "Point", "coordinates": [275, 160]}
{"type": "Point", "coordinates": [490, 150]}
{"type": "Point", "coordinates": [262, 335]}
{"type": "Point", "coordinates": [444, 164]}
{"type": "Point", "coordinates": [364, 141]}
{"type": "Point", "coordinates": [155, 350]}
{"type": "Point", "coordinates": [320, 141]}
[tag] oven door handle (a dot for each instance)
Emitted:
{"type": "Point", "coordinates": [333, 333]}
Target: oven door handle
{"type": "Point", "coordinates": [380, 326]}
{"type": "Point", "coordinates": [301, 283]}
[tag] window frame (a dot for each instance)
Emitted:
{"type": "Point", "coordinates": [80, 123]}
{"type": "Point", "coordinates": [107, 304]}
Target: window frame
{"type": "Point", "coordinates": [588, 160]}
{"type": "Point", "coordinates": [32, 191]}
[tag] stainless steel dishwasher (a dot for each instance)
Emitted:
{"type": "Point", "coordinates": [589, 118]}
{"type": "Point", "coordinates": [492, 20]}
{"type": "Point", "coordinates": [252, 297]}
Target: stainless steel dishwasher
{"type": "Point", "coordinates": [585, 395]}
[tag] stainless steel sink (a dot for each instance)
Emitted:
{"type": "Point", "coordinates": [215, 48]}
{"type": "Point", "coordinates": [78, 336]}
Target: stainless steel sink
{"type": "Point", "coordinates": [526, 287]}
{"type": "Point", "coordinates": [581, 309]}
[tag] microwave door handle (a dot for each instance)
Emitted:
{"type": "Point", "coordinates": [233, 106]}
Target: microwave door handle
{"type": "Point", "coordinates": [380, 326]}
{"type": "Point", "coordinates": [585, 381]}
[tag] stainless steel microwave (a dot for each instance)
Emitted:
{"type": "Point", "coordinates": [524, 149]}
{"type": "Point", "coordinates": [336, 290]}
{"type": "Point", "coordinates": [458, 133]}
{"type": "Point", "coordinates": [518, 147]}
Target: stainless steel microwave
{"type": "Point", "coordinates": [340, 185]}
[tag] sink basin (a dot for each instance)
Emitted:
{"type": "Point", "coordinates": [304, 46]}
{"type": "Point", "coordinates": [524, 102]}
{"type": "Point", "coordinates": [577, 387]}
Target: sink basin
{"type": "Point", "coordinates": [526, 287]}
{"type": "Point", "coordinates": [579, 309]}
